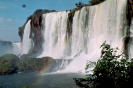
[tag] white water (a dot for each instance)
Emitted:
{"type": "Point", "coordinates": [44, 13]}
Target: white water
{"type": "Point", "coordinates": [9, 48]}
{"type": "Point", "coordinates": [91, 27]}
{"type": "Point", "coordinates": [18, 45]}
{"type": "Point", "coordinates": [26, 43]}
{"type": "Point", "coordinates": [54, 26]}
{"type": "Point", "coordinates": [16, 48]}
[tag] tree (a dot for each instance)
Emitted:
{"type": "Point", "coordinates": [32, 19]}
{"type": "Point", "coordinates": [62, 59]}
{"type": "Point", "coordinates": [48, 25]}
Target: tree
{"type": "Point", "coordinates": [79, 4]}
{"type": "Point", "coordinates": [95, 2]}
{"type": "Point", "coordinates": [111, 71]}
{"type": "Point", "coordinates": [38, 11]}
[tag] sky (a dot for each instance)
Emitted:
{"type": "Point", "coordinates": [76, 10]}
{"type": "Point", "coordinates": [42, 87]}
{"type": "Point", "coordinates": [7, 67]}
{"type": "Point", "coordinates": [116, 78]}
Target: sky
{"type": "Point", "coordinates": [13, 15]}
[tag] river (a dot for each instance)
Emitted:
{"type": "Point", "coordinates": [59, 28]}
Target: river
{"type": "Point", "coordinates": [37, 80]}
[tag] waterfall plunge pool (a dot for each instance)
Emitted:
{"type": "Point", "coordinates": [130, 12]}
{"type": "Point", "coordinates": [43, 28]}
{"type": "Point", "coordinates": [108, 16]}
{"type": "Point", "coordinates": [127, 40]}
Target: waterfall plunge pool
{"type": "Point", "coordinates": [37, 80]}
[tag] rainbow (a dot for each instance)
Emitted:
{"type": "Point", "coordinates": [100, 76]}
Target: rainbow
{"type": "Point", "coordinates": [48, 65]}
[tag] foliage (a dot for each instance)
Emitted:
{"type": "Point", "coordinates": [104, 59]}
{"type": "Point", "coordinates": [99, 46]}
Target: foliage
{"type": "Point", "coordinates": [43, 11]}
{"type": "Point", "coordinates": [8, 64]}
{"type": "Point", "coordinates": [5, 42]}
{"type": "Point", "coordinates": [95, 2]}
{"type": "Point", "coordinates": [38, 11]}
{"type": "Point", "coordinates": [11, 58]}
{"type": "Point", "coordinates": [79, 4]}
{"type": "Point", "coordinates": [111, 71]}
{"type": "Point", "coordinates": [33, 64]}
{"type": "Point", "coordinates": [26, 87]}
{"type": "Point", "coordinates": [6, 67]}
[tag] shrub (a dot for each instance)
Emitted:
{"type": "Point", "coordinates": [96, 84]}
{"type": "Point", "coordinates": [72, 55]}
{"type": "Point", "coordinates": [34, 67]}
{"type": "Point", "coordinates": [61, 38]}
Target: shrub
{"type": "Point", "coordinates": [34, 64]}
{"type": "Point", "coordinates": [11, 58]}
{"type": "Point", "coordinates": [26, 87]}
{"type": "Point", "coordinates": [8, 64]}
{"type": "Point", "coordinates": [6, 67]}
{"type": "Point", "coordinates": [79, 4]}
{"type": "Point", "coordinates": [95, 2]}
{"type": "Point", "coordinates": [111, 71]}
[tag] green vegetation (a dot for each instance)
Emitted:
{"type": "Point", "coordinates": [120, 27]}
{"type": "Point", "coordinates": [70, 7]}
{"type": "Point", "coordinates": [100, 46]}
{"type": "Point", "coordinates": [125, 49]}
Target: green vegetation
{"type": "Point", "coordinates": [5, 42]}
{"type": "Point", "coordinates": [91, 2]}
{"type": "Point", "coordinates": [34, 64]}
{"type": "Point", "coordinates": [26, 87]}
{"type": "Point", "coordinates": [95, 2]}
{"type": "Point", "coordinates": [11, 58]}
{"type": "Point", "coordinates": [111, 71]}
{"type": "Point", "coordinates": [79, 4]}
{"type": "Point", "coordinates": [8, 64]}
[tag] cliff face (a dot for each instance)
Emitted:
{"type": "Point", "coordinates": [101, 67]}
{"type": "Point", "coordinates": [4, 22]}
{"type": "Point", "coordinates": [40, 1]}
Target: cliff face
{"type": "Point", "coordinates": [127, 40]}
{"type": "Point", "coordinates": [35, 31]}
{"type": "Point", "coordinates": [81, 21]}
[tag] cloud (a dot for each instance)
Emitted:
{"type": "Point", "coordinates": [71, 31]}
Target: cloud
{"type": "Point", "coordinates": [2, 5]}
{"type": "Point", "coordinates": [1, 19]}
{"type": "Point", "coordinates": [7, 5]}
{"type": "Point", "coordinates": [9, 20]}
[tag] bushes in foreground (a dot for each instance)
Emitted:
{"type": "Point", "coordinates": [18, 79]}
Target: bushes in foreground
{"type": "Point", "coordinates": [111, 71]}
{"type": "Point", "coordinates": [33, 64]}
{"type": "Point", "coordinates": [8, 64]}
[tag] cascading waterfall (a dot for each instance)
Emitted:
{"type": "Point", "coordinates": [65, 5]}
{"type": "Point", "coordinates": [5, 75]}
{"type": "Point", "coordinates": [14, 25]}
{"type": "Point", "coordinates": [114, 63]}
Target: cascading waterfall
{"type": "Point", "coordinates": [26, 43]}
{"type": "Point", "coordinates": [18, 45]}
{"type": "Point", "coordinates": [92, 25]}
{"type": "Point", "coordinates": [54, 26]}
{"type": "Point", "coordinates": [9, 48]}
{"type": "Point", "coordinates": [106, 21]}
{"type": "Point", "coordinates": [16, 48]}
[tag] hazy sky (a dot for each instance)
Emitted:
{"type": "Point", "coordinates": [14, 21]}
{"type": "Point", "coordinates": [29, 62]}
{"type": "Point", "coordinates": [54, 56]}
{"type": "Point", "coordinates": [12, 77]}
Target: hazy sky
{"type": "Point", "coordinates": [13, 15]}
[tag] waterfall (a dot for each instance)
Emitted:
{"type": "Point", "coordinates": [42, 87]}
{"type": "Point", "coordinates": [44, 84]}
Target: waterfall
{"type": "Point", "coordinates": [26, 43]}
{"type": "Point", "coordinates": [54, 26]}
{"type": "Point", "coordinates": [18, 45]}
{"type": "Point", "coordinates": [8, 47]}
{"type": "Point", "coordinates": [17, 48]}
{"type": "Point", "coordinates": [91, 26]}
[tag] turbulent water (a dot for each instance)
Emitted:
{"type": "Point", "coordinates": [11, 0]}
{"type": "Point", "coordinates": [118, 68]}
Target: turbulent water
{"type": "Point", "coordinates": [106, 21]}
{"type": "Point", "coordinates": [54, 26]}
{"type": "Point", "coordinates": [92, 25]}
